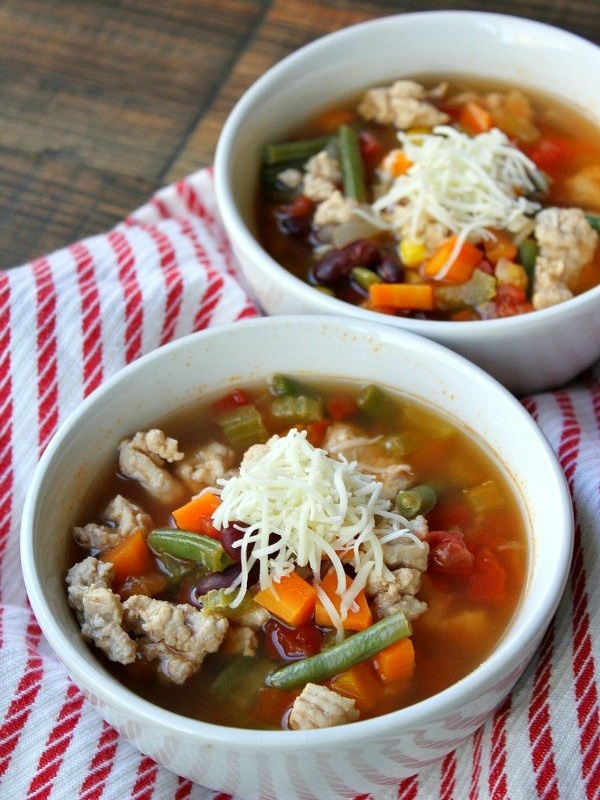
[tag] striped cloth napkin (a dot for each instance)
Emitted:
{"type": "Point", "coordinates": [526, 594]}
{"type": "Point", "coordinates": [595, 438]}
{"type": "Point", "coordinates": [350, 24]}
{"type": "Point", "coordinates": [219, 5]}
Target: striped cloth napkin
{"type": "Point", "coordinates": [70, 320]}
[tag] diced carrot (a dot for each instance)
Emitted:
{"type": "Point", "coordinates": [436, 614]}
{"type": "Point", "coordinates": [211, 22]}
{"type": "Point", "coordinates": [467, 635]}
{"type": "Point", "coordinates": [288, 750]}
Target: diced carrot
{"type": "Point", "coordinates": [316, 432]}
{"type": "Point", "coordinates": [196, 515]}
{"type": "Point", "coordinates": [356, 620]}
{"type": "Point", "coordinates": [360, 683]}
{"type": "Point", "coordinates": [271, 705]}
{"type": "Point", "coordinates": [475, 118]}
{"type": "Point", "coordinates": [396, 662]}
{"type": "Point", "coordinates": [291, 599]}
{"type": "Point", "coordinates": [501, 246]}
{"type": "Point", "coordinates": [398, 163]}
{"type": "Point", "coordinates": [340, 406]}
{"type": "Point", "coordinates": [418, 296]}
{"type": "Point", "coordinates": [459, 270]}
{"type": "Point", "coordinates": [331, 119]}
{"type": "Point", "coordinates": [131, 556]}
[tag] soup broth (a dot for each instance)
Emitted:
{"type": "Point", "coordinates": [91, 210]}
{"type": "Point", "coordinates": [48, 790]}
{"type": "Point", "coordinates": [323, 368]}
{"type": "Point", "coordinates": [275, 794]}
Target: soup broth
{"type": "Point", "coordinates": [404, 226]}
{"type": "Point", "coordinates": [459, 605]}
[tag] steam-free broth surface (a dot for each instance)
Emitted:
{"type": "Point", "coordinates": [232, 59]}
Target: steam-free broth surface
{"type": "Point", "coordinates": [459, 607]}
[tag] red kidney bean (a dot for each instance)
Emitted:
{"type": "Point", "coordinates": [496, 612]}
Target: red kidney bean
{"type": "Point", "coordinates": [295, 218]}
{"type": "Point", "coordinates": [389, 270]}
{"type": "Point", "coordinates": [337, 264]}
{"type": "Point", "coordinates": [228, 537]}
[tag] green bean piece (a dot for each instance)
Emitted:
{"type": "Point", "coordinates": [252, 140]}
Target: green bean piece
{"type": "Point", "coordinates": [339, 657]}
{"type": "Point", "coordinates": [526, 256]}
{"type": "Point", "coordinates": [364, 277]}
{"type": "Point", "coordinates": [353, 172]}
{"type": "Point", "coordinates": [299, 408]}
{"type": "Point", "coordinates": [243, 426]}
{"type": "Point", "coordinates": [299, 151]}
{"type": "Point", "coordinates": [374, 402]}
{"type": "Point", "coordinates": [594, 221]}
{"type": "Point", "coordinates": [219, 601]}
{"type": "Point", "coordinates": [190, 546]}
{"type": "Point", "coordinates": [283, 385]}
{"type": "Point", "coordinates": [418, 500]}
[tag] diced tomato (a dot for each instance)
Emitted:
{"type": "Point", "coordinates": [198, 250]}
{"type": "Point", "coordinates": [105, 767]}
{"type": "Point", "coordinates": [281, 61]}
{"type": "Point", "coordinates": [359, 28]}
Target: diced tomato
{"type": "Point", "coordinates": [290, 644]}
{"type": "Point", "coordinates": [340, 406]}
{"type": "Point", "coordinates": [510, 301]}
{"type": "Point", "coordinates": [316, 432]}
{"type": "Point", "coordinates": [448, 553]}
{"type": "Point", "coordinates": [487, 584]}
{"type": "Point", "coordinates": [295, 218]}
{"type": "Point", "coordinates": [370, 147]}
{"type": "Point", "coordinates": [548, 153]}
{"type": "Point", "coordinates": [235, 399]}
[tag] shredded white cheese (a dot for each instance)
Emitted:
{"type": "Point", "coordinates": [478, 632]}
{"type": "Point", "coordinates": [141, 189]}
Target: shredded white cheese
{"type": "Point", "coordinates": [468, 184]}
{"type": "Point", "coordinates": [318, 508]}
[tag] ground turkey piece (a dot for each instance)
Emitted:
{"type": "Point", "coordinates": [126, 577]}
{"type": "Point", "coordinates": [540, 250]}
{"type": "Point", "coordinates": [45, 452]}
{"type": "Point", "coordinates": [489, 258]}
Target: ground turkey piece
{"type": "Point", "coordinates": [123, 517]}
{"type": "Point", "coordinates": [335, 210]}
{"type": "Point", "coordinates": [102, 624]}
{"type": "Point", "coordinates": [99, 610]}
{"type": "Point", "coordinates": [178, 636]}
{"type": "Point", "coordinates": [143, 459]}
{"type": "Point", "coordinates": [320, 707]}
{"type": "Point", "coordinates": [206, 465]}
{"type": "Point", "coordinates": [402, 104]}
{"type": "Point", "coordinates": [567, 242]}
{"type": "Point", "coordinates": [322, 176]}
{"type": "Point", "coordinates": [85, 575]}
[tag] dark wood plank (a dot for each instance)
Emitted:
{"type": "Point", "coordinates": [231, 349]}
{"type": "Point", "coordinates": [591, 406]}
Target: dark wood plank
{"type": "Point", "coordinates": [96, 99]}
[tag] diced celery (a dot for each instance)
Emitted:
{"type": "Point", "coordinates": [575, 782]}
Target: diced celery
{"type": "Point", "coordinates": [374, 402]}
{"type": "Point", "coordinates": [243, 426]}
{"type": "Point", "coordinates": [479, 289]}
{"type": "Point", "coordinates": [297, 408]}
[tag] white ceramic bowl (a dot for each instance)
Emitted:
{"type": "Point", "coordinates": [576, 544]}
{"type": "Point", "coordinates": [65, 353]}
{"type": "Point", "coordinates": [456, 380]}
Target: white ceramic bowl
{"type": "Point", "coordinates": [527, 353]}
{"type": "Point", "coordinates": [295, 765]}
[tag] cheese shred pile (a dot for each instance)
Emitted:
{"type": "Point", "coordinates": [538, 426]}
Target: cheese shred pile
{"type": "Point", "coordinates": [298, 507]}
{"type": "Point", "coordinates": [468, 184]}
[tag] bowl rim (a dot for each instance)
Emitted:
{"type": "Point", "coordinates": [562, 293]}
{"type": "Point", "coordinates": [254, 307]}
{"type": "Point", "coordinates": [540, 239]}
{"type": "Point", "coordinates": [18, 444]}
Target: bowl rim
{"type": "Point", "coordinates": [102, 685]}
{"type": "Point", "coordinates": [323, 303]}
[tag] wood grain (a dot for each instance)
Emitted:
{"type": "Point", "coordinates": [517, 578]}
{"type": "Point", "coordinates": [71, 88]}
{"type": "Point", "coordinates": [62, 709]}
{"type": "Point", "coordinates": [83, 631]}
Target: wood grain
{"type": "Point", "coordinates": [104, 101]}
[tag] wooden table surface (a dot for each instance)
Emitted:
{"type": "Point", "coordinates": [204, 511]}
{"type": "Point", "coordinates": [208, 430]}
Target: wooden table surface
{"type": "Point", "coordinates": [104, 101]}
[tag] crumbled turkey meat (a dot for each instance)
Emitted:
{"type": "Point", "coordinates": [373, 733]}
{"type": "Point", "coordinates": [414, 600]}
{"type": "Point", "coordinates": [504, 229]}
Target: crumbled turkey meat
{"type": "Point", "coordinates": [143, 459]}
{"type": "Point", "coordinates": [344, 438]}
{"type": "Point", "coordinates": [102, 624]}
{"type": "Point", "coordinates": [179, 637]}
{"type": "Point", "coordinates": [397, 594]}
{"type": "Point", "coordinates": [319, 707]}
{"type": "Point", "coordinates": [322, 176]}
{"type": "Point", "coordinates": [240, 641]}
{"type": "Point", "coordinates": [567, 242]}
{"type": "Point", "coordinates": [334, 210]}
{"type": "Point", "coordinates": [122, 516]}
{"type": "Point", "coordinates": [403, 104]}
{"type": "Point", "coordinates": [85, 575]}
{"type": "Point", "coordinates": [99, 610]}
{"type": "Point", "coordinates": [407, 560]}
{"type": "Point", "coordinates": [205, 465]}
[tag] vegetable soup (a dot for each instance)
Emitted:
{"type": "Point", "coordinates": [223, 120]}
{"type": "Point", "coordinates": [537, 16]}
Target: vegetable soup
{"type": "Point", "coordinates": [296, 555]}
{"type": "Point", "coordinates": [438, 199]}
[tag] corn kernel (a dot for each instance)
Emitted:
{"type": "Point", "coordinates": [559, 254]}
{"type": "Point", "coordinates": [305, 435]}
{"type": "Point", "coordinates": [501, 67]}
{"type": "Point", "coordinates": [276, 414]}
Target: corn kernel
{"type": "Point", "coordinates": [412, 252]}
{"type": "Point", "coordinates": [508, 272]}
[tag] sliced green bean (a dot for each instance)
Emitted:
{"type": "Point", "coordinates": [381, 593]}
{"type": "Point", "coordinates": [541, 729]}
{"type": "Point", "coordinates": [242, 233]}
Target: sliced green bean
{"type": "Point", "coordinates": [417, 500]}
{"type": "Point", "coordinates": [283, 385]}
{"type": "Point", "coordinates": [191, 547]}
{"type": "Point", "coordinates": [526, 256]}
{"type": "Point", "coordinates": [243, 426]}
{"type": "Point", "coordinates": [594, 220]}
{"type": "Point", "coordinates": [299, 151]}
{"type": "Point", "coordinates": [298, 408]}
{"type": "Point", "coordinates": [339, 657]}
{"type": "Point", "coordinates": [374, 402]}
{"type": "Point", "coordinates": [364, 277]}
{"type": "Point", "coordinates": [351, 163]}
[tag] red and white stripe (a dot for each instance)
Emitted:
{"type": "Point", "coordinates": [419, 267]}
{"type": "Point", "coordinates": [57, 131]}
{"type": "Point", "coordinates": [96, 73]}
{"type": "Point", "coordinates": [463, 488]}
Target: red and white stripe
{"type": "Point", "coordinates": [72, 319]}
